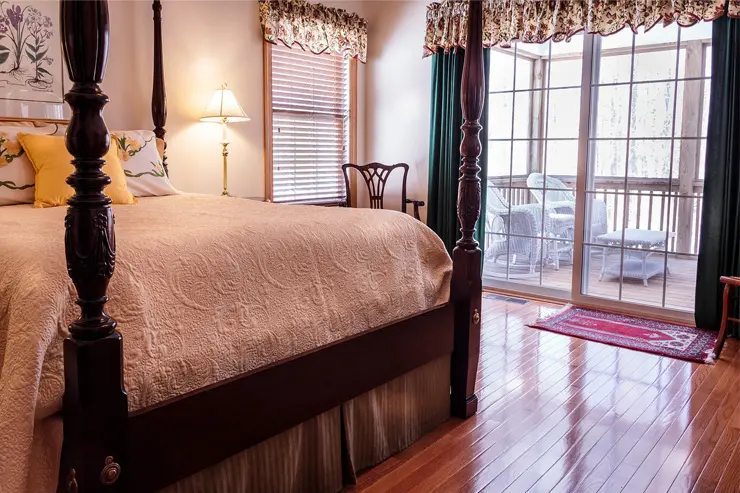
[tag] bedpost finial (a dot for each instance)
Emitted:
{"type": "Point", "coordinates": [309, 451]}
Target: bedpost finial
{"type": "Point", "coordinates": [85, 38]}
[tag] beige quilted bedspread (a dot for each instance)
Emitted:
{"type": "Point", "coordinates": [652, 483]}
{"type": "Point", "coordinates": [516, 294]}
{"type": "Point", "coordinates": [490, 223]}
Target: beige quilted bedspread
{"type": "Point", "coordinates": [205, 288]}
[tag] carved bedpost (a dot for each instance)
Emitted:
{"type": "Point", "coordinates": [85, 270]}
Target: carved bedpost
{"type": "Point", "coordinates": [95, 404]}
{"type": "Point", "coordinates": [159, 97]}
{"type": "Point", "coordinates": [466, 257]}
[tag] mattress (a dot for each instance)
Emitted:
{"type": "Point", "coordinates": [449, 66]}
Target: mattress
{"type": "Point", "coordinates": [205, 288]}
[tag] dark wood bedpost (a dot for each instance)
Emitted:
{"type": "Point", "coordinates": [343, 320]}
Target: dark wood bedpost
{"type": "Point", "coordinates": [95, 404]}
{"type": "Point", "coordinates": [159, 97]}
{"type": "Point", "coordinates": [466, 257]}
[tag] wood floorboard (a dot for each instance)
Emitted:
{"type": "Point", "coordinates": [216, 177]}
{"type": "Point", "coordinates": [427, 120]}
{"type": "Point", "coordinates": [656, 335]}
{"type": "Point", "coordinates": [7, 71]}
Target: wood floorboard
{"type": "Point", "coordinates": [655, 470]}
{"type": "Point", "coordinates": [568, 470]}
{"type": "Point", "coordinates": [544, 457]}
{"type": "Point", "coordinates": [618, 448]}
{"type": "Point", "coordinates": [713, 416]}
{"type": "Point", "coordinates": [698, 457]}
{"type": "Point", "coordinates": [546, 461]}
{"type": "Point", "coordinates": [730, 478]}
{"type": "Point", "coordinates": [639, 447]}
{"type": "Point", "coordinates": [480, 438]}
{"type": "Point", "coordinates": [711, 473]}
{"type": "Point", "coordinates": [564, 415]}
{"type": "Point", "coordinates": [533, 418]}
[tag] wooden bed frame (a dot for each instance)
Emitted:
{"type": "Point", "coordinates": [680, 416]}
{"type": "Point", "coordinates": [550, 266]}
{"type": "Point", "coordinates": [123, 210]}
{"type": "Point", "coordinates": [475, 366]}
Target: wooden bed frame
{"type": "Point", "coordinates": [107, 448]}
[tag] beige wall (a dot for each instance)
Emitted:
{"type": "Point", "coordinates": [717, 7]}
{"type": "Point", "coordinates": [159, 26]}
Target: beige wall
{"type": "Point", "coordinates": [207, 42]}
{"type": "Point", "coordinates": [398, 91]}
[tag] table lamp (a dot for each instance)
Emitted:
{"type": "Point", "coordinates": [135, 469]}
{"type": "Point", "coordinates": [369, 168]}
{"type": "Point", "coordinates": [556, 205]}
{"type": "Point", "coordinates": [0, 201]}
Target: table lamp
{"type": "Point", "coordinates": [223, 109]}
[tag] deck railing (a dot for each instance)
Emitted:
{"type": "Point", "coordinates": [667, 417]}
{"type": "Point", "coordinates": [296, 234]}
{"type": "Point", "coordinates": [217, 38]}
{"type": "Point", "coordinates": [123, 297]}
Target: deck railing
{"type": "Point", "coordinates": [652, 203]}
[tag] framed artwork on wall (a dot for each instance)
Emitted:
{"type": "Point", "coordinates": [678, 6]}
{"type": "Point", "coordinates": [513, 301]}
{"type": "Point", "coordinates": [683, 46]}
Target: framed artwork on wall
{"type": "Point", "coordinates": [31, 75]}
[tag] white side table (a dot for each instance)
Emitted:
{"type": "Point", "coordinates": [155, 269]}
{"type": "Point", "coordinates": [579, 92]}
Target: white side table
{"type": "Point", "coordinates": [637, 262]}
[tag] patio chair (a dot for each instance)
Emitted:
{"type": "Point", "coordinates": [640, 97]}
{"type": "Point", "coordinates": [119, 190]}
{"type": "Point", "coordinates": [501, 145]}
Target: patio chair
{"type": "Point", "coordinates": [561, 199]}
{"type": "Point", "coordinates": [524, 250]}
{"type": "Point", "coordinates": [556, 196]}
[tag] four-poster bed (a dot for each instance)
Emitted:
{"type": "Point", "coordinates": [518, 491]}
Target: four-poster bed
{"type": "Point", "coordinates": [108, 448]}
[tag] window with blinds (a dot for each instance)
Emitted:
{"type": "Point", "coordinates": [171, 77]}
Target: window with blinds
{"type": "Point", "coordinates": [310, 125]}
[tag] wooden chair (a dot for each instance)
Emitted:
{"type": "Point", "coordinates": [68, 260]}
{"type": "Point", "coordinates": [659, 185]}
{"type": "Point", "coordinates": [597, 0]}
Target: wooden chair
{"type": "Point", "coordinates": [376, 177]}
{"type": "Point", "coordinates": [729, 283]}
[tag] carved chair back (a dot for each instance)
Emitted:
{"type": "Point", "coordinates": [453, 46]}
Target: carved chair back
{"type": "Point", "coordinates": [376, 177]}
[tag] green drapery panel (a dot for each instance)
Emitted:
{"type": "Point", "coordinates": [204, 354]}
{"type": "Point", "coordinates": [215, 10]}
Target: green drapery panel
{"type": "Point", "coordinates": [719, 253]}
{"type": "Point", "coordinates": [444, 147]}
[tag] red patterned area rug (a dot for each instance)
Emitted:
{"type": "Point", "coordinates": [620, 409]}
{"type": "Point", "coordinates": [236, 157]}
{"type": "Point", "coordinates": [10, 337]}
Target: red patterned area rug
{"type": "Point", "coordinates": [650, 336]}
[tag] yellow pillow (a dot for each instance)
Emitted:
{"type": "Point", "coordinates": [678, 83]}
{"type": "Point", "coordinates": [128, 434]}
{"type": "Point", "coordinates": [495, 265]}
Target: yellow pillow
{"type": "Point", "coordinates": [51, 160]}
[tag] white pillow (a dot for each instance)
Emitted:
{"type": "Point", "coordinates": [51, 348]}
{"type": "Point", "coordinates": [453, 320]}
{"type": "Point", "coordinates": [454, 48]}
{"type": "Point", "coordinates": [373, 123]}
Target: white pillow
{"type": "Point", "coordinates": [145, 176]}
{"type": "Point", "coordinates": [17, 176]}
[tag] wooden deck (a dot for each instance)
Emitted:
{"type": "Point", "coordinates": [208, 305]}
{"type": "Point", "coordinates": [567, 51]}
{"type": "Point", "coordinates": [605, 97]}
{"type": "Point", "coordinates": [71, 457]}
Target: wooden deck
{"type": "Point", "coordinates": [680, 283]}
{"type": "Point", "coordinates": [559, 414]}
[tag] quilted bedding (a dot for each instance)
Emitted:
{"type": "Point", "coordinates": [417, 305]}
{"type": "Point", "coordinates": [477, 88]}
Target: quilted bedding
{"type": "Point", "coordinates": [205, 288]}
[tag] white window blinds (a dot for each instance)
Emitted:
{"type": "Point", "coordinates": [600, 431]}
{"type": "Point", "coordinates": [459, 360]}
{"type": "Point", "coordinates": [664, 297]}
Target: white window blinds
{"type": "Point", "coordinates": [310, 126]}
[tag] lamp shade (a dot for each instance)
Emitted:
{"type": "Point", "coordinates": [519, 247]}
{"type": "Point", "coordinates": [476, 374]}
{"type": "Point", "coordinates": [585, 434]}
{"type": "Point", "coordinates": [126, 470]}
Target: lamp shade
{"type": "Point", "coordinates": [224, 108]}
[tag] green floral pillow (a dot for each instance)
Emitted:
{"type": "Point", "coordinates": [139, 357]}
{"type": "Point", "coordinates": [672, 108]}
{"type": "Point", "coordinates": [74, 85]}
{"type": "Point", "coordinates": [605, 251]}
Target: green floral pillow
{"type": "Point", "coordinates": [17, 176]}
{"type": "Point", "coordinates": [142, 165]}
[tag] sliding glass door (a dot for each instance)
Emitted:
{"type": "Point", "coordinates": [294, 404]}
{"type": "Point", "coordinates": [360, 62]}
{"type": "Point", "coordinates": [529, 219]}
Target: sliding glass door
{"type": "Point", "coordinates": [533, 138]}
{"type": "Point", "coordinates": [596, 164]}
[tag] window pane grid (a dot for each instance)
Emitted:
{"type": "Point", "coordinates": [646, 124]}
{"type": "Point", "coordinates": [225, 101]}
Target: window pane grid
{"type": "Point", "coordinates": [651, 198]}
{"type": "Point", "coordinates": [645, 166]}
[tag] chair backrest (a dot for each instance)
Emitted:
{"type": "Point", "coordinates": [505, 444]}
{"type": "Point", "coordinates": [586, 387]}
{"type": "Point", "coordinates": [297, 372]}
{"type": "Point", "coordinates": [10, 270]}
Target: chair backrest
{"type": "Point", "coordinates": [496, 201]}
{"type": "Point", "coordinates": [376, 177]}
{"type": "Point", "coordinates": [537, 181]}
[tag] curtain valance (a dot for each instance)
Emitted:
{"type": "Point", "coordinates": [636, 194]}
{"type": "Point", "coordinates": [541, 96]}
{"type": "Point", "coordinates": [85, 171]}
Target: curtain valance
{"type": "Point", "coordinates": [537, 21]}
{"type": "Point", "coordinates": [314, 27]}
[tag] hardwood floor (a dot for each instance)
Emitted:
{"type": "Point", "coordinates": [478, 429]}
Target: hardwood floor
{"type": "Point", "coordinates": [559, 414]}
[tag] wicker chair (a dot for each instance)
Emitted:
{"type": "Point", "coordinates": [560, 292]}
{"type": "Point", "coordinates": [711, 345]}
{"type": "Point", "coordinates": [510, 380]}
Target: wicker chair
{"type": "Point", "coordinates": [523, 253]}
{"type": "Point", "coordinates": [563, 202]}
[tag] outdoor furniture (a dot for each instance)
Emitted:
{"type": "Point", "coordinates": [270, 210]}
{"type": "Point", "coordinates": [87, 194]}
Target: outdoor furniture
{"type": "Point", "coordinates": [729, 282]}
{"type": "Point", "coordinates": [562, 211]}
{"type": "Point", "coordinates": [553, 191]}
{"type": "Point", "coordinates": [556, 195]}
{"type": "Point", "coordinates": [642, 243]}
{"type": "Point", "coordinates": [523, 250]}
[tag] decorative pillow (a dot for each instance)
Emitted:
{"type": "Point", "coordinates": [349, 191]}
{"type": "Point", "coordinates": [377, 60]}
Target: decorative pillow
{"type": "Point", "coordinates": [142, 163]}
{"type": "Point", "coordinates": [51, 160]}
{"type": "Point", "coordinates": [17, 176]}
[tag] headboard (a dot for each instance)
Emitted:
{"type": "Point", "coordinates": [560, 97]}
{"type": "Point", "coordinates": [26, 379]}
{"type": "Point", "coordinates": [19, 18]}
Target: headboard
{"type": "Point", "coordinates": [34, 122]}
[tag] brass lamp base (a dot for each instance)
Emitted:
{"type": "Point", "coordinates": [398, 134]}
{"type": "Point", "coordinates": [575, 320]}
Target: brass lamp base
{"type": "Point", "coordinates": [225, 154]}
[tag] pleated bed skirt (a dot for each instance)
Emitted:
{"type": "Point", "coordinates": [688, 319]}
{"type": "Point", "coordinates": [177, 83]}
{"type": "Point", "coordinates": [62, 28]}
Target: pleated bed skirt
{"type": "Point", "coordinates": [326, 452]}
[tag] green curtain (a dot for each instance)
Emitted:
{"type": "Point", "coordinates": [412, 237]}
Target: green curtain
{"type": "Point", "coordinates": [719, 253]}
{"type": "Point", "coordinates": [444, 147]}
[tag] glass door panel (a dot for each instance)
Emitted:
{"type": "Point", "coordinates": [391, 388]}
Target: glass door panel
{"type": "Point", "coordinates": [595, 167]}
{"type": "Point", "coordinates": [644, 165]}
{"type": "Point", "coordinates": [533, 149]}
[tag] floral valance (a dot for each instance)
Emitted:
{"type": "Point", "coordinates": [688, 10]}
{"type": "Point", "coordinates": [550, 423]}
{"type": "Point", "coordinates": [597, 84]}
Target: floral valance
{"type": "Point", "coordinates": [314, 27]}
{"type": "Point", "coordinates": [537, 21]}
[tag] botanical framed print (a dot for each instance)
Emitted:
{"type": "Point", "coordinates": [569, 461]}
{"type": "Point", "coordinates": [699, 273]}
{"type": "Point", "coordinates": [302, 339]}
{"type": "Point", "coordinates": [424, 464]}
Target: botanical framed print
{"type": "Point", "coordinates": [31, 73]}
